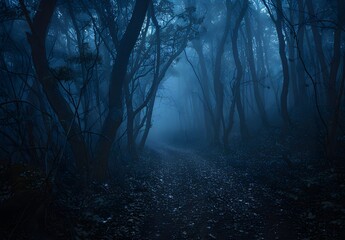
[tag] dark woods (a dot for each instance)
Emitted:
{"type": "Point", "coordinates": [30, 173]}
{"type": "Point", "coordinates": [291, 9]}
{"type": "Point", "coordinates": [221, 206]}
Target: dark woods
{"type": "Point", "coordinates": [80, 75]}
{"type": "Point", "coordinates": [80, 78]}
{"type": "Point", "coordinates": [81, 81]}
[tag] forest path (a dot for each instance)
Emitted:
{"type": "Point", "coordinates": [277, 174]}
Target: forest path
{"type": "Point", "coordinates": [193, 198]}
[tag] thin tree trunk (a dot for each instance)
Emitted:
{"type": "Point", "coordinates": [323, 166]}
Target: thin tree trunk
{"type": "Point", "coordinates": [334, 97]}
{"type": "Point", "coordinates": [208, 112]}
{"type": "Point", "coordinates": [318, 42]}
{"type": "Point", "coordinates": [300, 38]}
{"type": "Point", "coordinates": [335, 62]}
{"type": "Point", "coordinates": [292, 56]}
{"type": "Point", "coordinates": [158, 77]}
{"type": "Point", "coordinates": [250, 58]}
{"type": "Point", "coordinates": [260, 57]}
{"type": "Point", "coordinates": [331, 143]}
{"type": "Point", "coordinates": [81, 51]}
{"type": "Point", "coordinates": [148, 123]}
{"type": "Point", "coordinates": [230, 122]}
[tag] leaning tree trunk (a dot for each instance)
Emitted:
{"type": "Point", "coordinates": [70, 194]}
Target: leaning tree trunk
{"type": "Point", "coordinates": [150, 101]}
{"type": "Point", "coordinates": [129, 93]}
{"type": "Point", "coordinates": [39, 27]}
{"type": "Point", "coordinates": [131, 144]}
{"type": "Point", "coordinates": [148, 124]}
{"type": "Point", "coordinates": [159, 75]}
{"type": "Point", "coordinates": [113, 119]}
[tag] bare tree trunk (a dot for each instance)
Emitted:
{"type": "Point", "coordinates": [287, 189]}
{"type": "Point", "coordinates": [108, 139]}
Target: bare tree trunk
{"type": "Point", "coordinates": [237, 86]}
{"type": "Point", "coordinates": [217, 81]}
{"type": "Point", "coordinates": [278, 22]}
{"type": "Point", "coordinates": [261, 61]}
{"type": "Point", "coordinates": [158, 77]}
{"type": "Point", "coordinates": [335, 62]}
{"type": "Point", "coordinates": [228, 128]}
{"type": "Point", "coordinates": [150, 101]}
{"type": "Point", "coordinates": [132, 148]}
{"type": "Point", "coordinates": [250, 58]}
{"type": "Point", "coordinates": [334, 97]}
{"type": "Point", "coordinates": [300, 38]}
{"type": "Point", "coordinates": [318, 43]}
{"type": "Point", "coordinates": [148, 123]}
{"type": "Point", "coordinates": [39, 28]}
{"type": "Point", "coordinates": [285, 65]}
{"type": "Point", "coordinates": [331, 143]}
{"type": "Point", "coordinates": [208, 112]}
{"type": "Point", "coordinates": [243, 126]}
{"type": "Point", "coordinates": [289, 34]}
{"type": "Point", "coordinates": [114, 118]}
{"type": "Point", "coordinates": [81, 50]}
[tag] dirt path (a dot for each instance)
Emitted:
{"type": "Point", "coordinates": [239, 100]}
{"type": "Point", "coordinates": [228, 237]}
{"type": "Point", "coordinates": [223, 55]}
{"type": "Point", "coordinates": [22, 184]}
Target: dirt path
{"type": "Point", "coordinates": [177, 193]}
{"type": "Point", "coordinates": [192, 198]}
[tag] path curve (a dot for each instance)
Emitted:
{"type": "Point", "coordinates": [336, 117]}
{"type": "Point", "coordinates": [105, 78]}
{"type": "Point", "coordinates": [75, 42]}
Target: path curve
{"type": "Point", "coordinates": [193, 198]}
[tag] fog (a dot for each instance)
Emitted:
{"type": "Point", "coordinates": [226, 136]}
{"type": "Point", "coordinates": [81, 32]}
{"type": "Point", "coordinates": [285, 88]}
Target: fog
{"type": "Point", "coordinates": [172, 114]}
{"type": "Point", "coordinates": [166, 113]}
{"type": "Point", "coordinates": [172, 119]}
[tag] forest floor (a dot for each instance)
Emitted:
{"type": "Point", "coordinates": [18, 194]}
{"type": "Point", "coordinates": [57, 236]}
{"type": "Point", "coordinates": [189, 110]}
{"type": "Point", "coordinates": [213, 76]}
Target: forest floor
{"type": "Point", "coordinates": [181, 193]}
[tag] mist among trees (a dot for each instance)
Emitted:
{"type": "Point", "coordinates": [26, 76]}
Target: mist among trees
{"type": "Point", "coordinates": [172, 119]}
